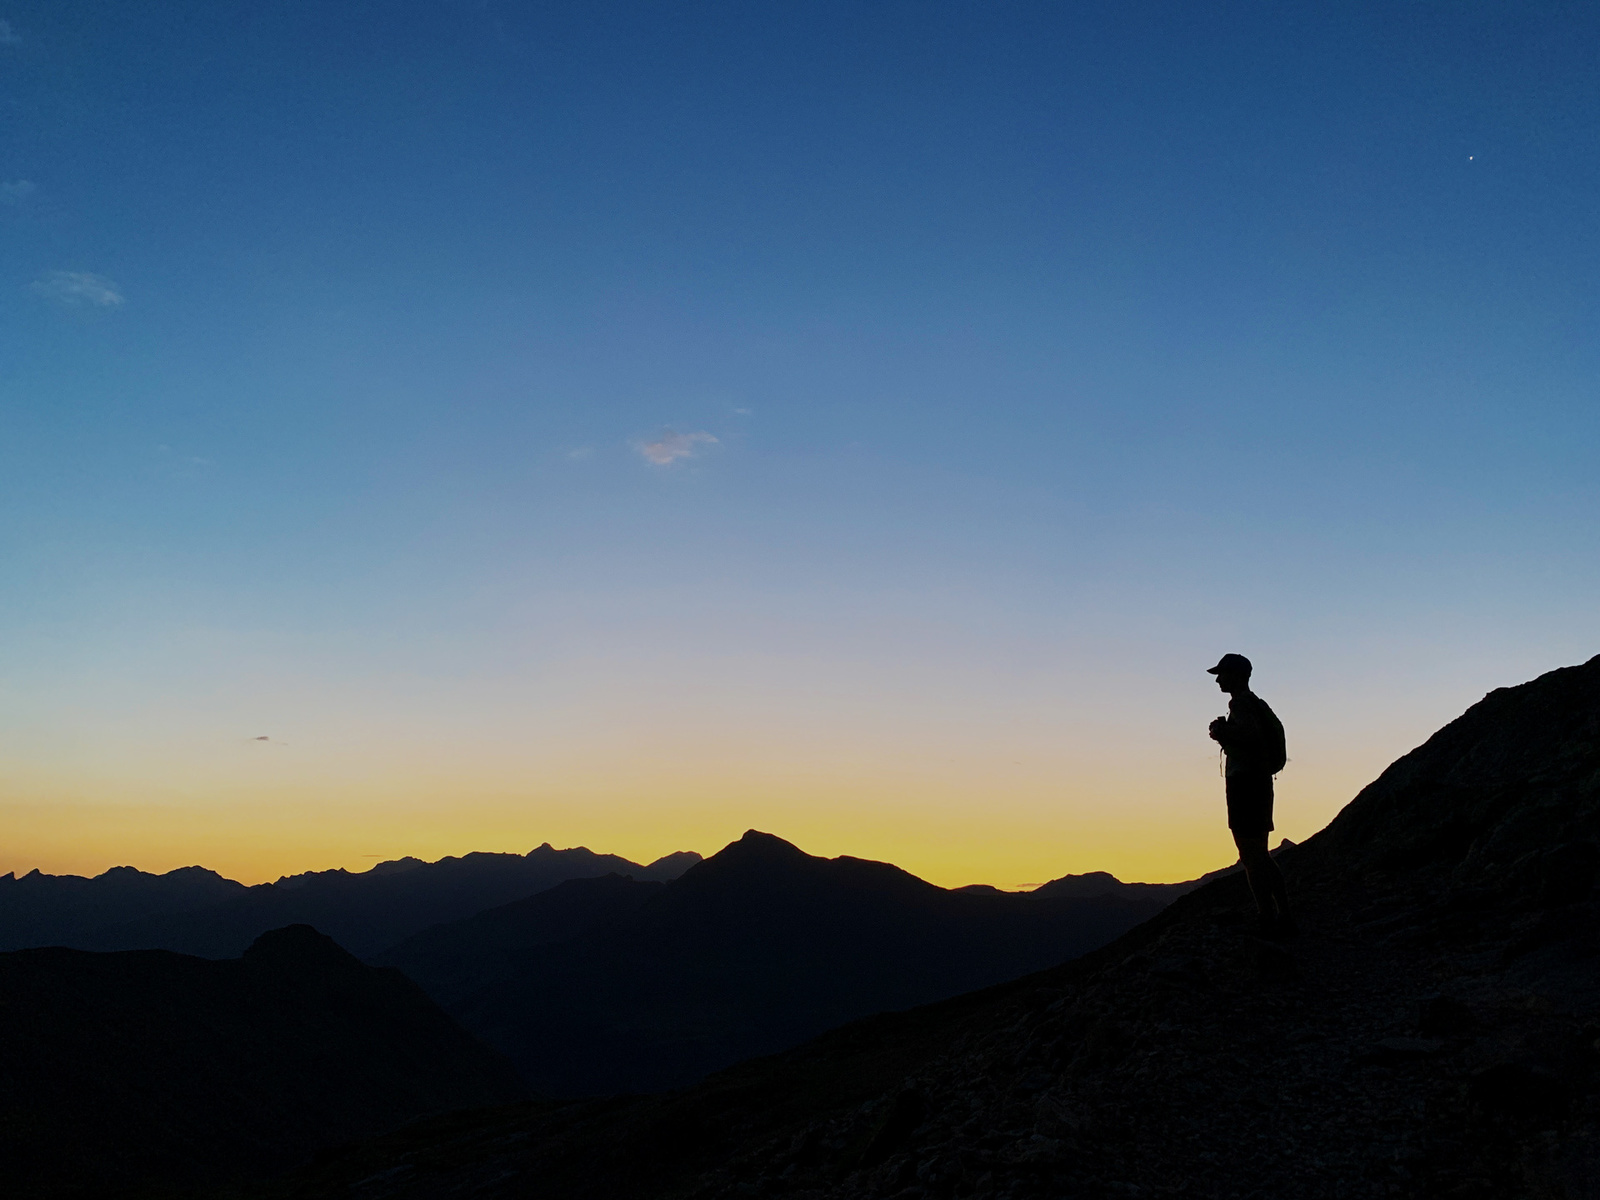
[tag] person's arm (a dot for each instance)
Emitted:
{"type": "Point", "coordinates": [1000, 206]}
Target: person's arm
{"type": "Point", "coordinates": [1236, 733]}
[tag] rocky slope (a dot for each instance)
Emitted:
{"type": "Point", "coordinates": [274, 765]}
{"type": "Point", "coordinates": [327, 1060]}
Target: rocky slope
{"type": "Point", "coordinates": [1432, 1033]}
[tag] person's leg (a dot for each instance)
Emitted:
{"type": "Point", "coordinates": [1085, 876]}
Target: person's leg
{"type": "Point", "coordinates": [1266, 882]}
{"type": "Point", "coordinates": [1253, 854]}
{"type": "Point", "coordinates": [1280, 894]}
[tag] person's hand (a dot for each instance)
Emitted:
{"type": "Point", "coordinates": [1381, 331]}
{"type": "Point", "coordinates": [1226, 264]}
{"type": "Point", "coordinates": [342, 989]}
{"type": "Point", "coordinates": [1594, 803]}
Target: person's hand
{"type": "Point", "coordinates": [1215, 728]}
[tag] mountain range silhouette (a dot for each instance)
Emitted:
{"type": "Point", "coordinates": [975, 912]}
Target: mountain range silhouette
{"type": "Point", "coordinates": [159, 1069]}
{"type": "Point", "coordinates": [196, 911]}
{"type": "Point", "coordinates": [1434, 1032]}
{"type": "Point", "coordinates": [614, 984]}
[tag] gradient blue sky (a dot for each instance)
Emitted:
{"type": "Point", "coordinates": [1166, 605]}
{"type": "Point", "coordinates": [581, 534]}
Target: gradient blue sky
{"type": "Point", "coordinates": [1049, 350]}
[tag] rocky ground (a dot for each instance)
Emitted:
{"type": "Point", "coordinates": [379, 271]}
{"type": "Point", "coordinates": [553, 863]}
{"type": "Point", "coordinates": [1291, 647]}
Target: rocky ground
{"type": "Point", "coordinates": [1374, 1056]}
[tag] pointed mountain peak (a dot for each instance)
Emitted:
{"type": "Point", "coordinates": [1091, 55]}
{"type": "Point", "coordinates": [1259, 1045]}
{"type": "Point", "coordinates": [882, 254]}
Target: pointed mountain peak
{"type": "Point", "coordinates": [765, 846]}
{"type": "Point", "coordinates": [755, 854]}
{"type": "Point", "coordinates": [766, 859]}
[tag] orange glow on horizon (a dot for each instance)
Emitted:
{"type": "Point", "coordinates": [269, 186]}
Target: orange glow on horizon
{"type": "Point", "coordinates": [948, 832]}
{"type": "Point", "coordinates": [994, 786]}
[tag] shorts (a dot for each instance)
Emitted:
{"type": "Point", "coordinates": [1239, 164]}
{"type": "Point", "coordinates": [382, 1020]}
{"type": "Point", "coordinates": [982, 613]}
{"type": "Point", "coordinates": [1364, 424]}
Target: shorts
{"type": "Point", "coordinates": [1250, 803]}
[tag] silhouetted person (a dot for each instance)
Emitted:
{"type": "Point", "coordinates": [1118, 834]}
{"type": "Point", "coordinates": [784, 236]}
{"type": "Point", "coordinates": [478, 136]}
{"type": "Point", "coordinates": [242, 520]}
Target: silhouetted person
{"type": "Point", "coordinates": [1251, 737]}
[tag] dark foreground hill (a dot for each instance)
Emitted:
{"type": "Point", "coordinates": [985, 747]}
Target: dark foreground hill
{"type": "Point", "coordinates": [607, 985]}
{"type": "Point", "coordinates": [117, 1070]}
{"type": "Point", "coordinates": [1432, 1033]}
{"type": "Point", "coordinates": [195, 911]}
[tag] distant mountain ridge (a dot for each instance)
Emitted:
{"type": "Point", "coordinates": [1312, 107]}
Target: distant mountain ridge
{"type": "Point", "coordinates": [599, 975]}
{"type": "Point", "coordinates": [615, 984]}
{"type": "Point", "coordinates": [66, 910]}
{"type": "Point", "coordinates": [195, 911]}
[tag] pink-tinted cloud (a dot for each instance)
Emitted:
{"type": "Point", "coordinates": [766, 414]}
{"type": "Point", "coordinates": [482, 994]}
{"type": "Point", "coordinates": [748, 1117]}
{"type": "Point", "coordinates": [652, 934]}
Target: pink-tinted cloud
{"type": "Point", "coordinates": [671, 446]}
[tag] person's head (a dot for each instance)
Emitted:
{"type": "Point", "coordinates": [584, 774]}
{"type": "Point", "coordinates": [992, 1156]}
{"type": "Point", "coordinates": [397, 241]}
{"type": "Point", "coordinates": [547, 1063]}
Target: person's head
{"type": "Point", "coordinates": [1232, 672]}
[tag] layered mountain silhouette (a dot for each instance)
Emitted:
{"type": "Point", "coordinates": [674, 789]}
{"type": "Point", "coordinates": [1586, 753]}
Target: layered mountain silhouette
{"type": "Point", "coordinates": [67, 910]}
{"type": "Point", "coordinates": [195, 911]}
{"type": "Point", "coordinates": [615, 984]}
{"type": "Point", "coordinates": [119, 1071]}
{"type": "Point", "coordinates": [1432, 1033]}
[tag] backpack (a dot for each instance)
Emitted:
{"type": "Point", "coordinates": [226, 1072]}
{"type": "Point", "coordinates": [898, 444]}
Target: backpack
{"type": "Point", "coordinates": [1275, 750]}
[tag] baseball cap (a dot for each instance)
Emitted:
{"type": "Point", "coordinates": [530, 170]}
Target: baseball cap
{"type": "Point", "coordinates": [1237, 664]}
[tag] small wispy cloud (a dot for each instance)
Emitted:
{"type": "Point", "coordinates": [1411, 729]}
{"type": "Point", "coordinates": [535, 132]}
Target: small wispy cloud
{"type": "Point", "coordinates": [177, 466]}
{"type": "Point", "coordinates": [17, 191]}
{"type": "Point", "coordinates": [671, 446]}
{"type": "Point", "coordinates": [78, 287]}
{"type": "Point", "coordinates": [579, 453]}
{"type": "Point", "coordinates": [8, 35]}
